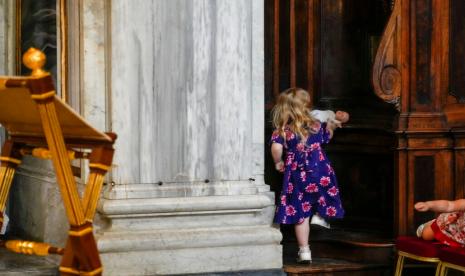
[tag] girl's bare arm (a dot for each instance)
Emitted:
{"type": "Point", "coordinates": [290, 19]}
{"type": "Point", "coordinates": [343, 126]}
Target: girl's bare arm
{"type": "Point", "coordinates": [277, 154]}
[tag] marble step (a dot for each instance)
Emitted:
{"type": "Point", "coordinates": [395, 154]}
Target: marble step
{"type": "Point", "coordinates": [191, 212]}
{"type": "Point", "coordinates": [184, 189]}
{"type": "Point", "coordinates": [181, 238]}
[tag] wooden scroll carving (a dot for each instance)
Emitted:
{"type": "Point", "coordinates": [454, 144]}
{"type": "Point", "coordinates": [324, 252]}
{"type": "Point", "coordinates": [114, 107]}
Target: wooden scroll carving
{"type": "Point", "coordinates": [386, 68]}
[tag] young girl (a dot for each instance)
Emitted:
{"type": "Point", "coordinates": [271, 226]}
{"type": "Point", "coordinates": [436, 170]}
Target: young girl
{"type": "Point", "coordinates": [333, 119]}
{"type": "Point", "coordinates": [449, 226]}
{"type": "Point", "coordinates": [309, 182]}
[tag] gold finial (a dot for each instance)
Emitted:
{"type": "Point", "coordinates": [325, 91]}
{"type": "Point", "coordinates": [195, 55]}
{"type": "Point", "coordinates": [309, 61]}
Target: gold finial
{"type": "Point", "coordinates": [34, 59]}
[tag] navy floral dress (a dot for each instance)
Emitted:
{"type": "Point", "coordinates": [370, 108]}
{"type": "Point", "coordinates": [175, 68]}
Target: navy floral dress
{"type": "Point", "coordinates": [309, 182]}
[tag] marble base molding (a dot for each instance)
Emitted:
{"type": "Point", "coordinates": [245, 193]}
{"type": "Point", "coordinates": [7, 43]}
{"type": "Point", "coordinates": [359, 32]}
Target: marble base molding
{"type": "Point", "coordinates": [189, 234]}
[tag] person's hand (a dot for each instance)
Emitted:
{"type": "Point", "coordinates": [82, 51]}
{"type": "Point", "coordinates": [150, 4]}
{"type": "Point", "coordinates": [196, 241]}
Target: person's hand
{"type": "Point", "coordinates": [279, 166]}
{"type": "Point", "coordinates": [331, 126]}
{"type": "Point", "coordinates": [331, 132]}
{"type": "Point", "coordinates": [421, 206]}
{"type": "Point", "coordinates": [342, 116]}
{"type": "Point", "coordinates": [337, 123]}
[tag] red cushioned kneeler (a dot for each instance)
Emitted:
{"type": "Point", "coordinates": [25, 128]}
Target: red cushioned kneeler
{"type": "Point", "coordinates": [452, 257]}
{"type": "Point", "coordinates": [417, 249]}
{"type": "Point", "coordinates": [417, 246]}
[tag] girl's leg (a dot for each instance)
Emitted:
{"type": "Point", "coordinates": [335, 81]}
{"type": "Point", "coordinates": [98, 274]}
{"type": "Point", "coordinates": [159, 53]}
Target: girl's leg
{"type": "Point", "coordinates": [427, 233]}
{"type": "Point", "coordinates": [302, 231]}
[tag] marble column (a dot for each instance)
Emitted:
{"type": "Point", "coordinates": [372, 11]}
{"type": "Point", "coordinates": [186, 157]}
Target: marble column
{"type": "Point", "coordinates": [186, 101]}
{"type": "Point", "coordinates": [7, 50]}
{"type": "Point", "coordinates": [7, 37]}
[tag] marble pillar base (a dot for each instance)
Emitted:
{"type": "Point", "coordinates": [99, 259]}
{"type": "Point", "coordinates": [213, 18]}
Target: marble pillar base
{"type": "Point", "coordinates": [36, 207]}
{"type": "Point", "coordinates": [193, 234]}
{"type": "Point", "coordinates": [181, 261]}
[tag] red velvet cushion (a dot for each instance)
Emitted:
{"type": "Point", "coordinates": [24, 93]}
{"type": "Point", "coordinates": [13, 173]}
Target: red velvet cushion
{"type": "Point", "coordinates": [418, 247]}
{"type": "Point", "coordinates": [453, 255]}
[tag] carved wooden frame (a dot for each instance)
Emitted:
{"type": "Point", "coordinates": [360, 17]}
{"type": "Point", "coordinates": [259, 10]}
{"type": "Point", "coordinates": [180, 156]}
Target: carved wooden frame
{"type": "Point", "coordinates": [63, 53]}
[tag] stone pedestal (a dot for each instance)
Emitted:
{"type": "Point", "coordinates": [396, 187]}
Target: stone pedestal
{"type": "Point", "coordinates": [191, 232]}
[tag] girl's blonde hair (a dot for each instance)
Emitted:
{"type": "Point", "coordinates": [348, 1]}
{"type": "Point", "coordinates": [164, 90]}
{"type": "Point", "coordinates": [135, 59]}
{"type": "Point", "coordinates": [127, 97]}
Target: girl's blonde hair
{"type": "Point", "coordinates": [291, 110]}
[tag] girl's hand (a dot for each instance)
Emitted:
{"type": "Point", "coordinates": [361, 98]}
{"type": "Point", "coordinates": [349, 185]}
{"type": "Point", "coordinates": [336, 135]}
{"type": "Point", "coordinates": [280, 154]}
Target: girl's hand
{"type": "Point", "coordinates": [421, 206]}
{"type": "Point", "coordinates": [279, 166]}
{"type": "Point", "coordinates": [330, 127]}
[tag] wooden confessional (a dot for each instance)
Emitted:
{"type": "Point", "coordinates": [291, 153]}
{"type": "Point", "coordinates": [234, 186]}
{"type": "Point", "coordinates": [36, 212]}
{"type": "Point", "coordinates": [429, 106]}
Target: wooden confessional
{"type": "Point", "coordinates": [420, 69]}
{"type": "Point", "coordinates": [398, 67]}
{"type": "Point", "coordinates": [42, 125]}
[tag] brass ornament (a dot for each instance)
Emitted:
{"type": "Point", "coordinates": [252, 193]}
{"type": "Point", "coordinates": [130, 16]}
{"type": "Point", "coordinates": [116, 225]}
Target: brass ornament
{"type": "Point", "coordinates": [28, 247]}
{"type": "Point", "coordinates": [34, 59]}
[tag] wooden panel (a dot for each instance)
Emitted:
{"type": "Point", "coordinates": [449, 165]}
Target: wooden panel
{"type": "Point", "coordinates": [422, 58]}
{"type": "Point", "coordinates": [430, 177]}
{"type": "Point", "coordinates": [292, 44]}
{"type": "Point", "coordinates": [423, 180]}
{"type": "Point", "coordinates": [270, 55]}
{"type": "Point", "coordinates": [400, 187]}
{"type": "Point", "coordinates": [334, 51]}
{"type": "Point", "coordinates": [444, 175]}
{"type": "Point", "coordinates": [284, 53]}
{"type": "Point", "coordinates": [459, 163]}
{"type": "Point", "coordinates": [365, 174]}
{"type": "Point", "coordinates": [457, 50]}
{"type": "Point", "coordinates": [301, 40]}
{"type": "Point", "coordinates": [289, 46]}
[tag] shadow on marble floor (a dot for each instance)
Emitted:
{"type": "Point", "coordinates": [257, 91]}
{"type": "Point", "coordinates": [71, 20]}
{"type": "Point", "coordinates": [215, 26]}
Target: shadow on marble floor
{"type": "Point", "coordinates": [12, 264]}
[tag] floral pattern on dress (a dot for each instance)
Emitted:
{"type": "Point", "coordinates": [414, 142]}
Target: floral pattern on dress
{"type": "Point", "coordinates": [309, 182]}
{"type": "Point", "coordinates": [452, 225]}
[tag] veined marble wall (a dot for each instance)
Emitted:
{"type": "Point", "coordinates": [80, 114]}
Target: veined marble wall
{"type": "Point", "coordinates": [182, 90]}
{"type": "Point", "coordinates": [3, 40]}
{"type": "Point", "coordinates": [5, 48]}
{"type": "Point", "coordinates": [7, 53]}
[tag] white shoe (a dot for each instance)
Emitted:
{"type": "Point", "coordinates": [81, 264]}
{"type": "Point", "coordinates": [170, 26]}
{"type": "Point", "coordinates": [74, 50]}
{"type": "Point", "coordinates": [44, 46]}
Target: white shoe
{"type": "Point", "coordinates": [5, 224]}
{"type": "Point", "coordinates": [421, 227]}
{"type": "Point", "coordinates": [316, 219]}
{"type": "Point", "coordinates": [304, 256]}
{"type": "Point", "coordinates": [420, 230]}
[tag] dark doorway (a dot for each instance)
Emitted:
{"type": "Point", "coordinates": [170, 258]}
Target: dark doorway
{"type": "Point", "coordinates": [328, 48]}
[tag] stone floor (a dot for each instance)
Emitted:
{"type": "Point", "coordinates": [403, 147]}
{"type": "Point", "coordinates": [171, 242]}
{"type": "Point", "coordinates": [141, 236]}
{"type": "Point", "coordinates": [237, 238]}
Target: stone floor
{"type": "Point", "coordinates": [12, 264]}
